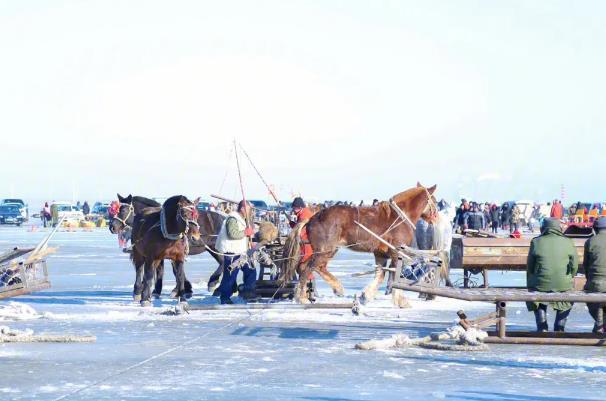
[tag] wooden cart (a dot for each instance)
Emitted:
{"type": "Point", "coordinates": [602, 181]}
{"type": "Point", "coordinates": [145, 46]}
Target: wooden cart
{"type": "Point", "coordinates": [481, 255]}
{"type": "Point", "coordinates": [21, 277]}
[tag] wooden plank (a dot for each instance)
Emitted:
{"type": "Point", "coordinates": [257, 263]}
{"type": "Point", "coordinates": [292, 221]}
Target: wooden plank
{"type": "Point", "coordinates": [277, 305]}
{"type": "Point", "coordinates": [500, 294]}
{"type": "Point", "coordinates": [23, 291]}
{"type": "Point", "coordinates": [14, 253]}
{"type": "Point", "coordinates": [544, 341]}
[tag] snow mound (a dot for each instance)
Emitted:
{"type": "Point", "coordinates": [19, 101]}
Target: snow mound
{"type": "Point", "coordinates": [18, 311]}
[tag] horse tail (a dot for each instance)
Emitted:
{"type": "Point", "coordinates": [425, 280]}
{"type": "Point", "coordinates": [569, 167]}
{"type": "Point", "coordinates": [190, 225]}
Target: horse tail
{"type": "Point", "coordinates": [291, 254]}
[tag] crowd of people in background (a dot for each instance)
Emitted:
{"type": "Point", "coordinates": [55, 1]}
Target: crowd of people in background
{"type": "Point", "coordinates": [491, 217]}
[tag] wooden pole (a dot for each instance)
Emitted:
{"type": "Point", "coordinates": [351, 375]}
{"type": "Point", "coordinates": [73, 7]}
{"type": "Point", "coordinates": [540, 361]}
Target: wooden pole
{"type": "Point", "coordinates": [282, 306]}
{"type": "Point", "coordinates": [393, 248]}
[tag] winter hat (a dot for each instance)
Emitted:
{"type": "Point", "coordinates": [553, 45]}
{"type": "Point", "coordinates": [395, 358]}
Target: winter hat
{"type": "Point", "coordinates": [298, 202]}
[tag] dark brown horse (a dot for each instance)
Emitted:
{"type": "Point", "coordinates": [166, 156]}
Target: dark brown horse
{"type": "Point", "coordinates": [163, 235]}
{"type": "Point", "coordinates": [335, 227]}
{"type": "Point", "coordinates": [136, 207]}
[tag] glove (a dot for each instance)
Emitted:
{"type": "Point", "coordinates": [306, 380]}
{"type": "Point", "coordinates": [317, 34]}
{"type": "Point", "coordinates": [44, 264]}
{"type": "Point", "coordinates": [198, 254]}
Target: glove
{"type": "Point", "coordinates": [248, 231]}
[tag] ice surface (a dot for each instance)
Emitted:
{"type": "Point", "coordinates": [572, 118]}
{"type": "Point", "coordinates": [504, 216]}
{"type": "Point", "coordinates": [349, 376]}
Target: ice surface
{"type": "Point", "coordinates": [142, 354]}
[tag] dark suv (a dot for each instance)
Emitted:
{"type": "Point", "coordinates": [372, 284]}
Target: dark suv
{"type": "Point", "coordinates": [11, 214]}
{"type": "Point", "coordinates": [19, 202]}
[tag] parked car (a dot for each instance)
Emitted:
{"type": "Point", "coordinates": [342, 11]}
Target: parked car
{"type": "Point", "coordinates": [10, 213]}
{"type": "Point", "coordinates": [100, 210]}
{"type": "Point", "coordinates": [22, 206]}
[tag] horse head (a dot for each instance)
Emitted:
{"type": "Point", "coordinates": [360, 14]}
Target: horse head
{"type": "Point", "coordinates": [181, 216]}
{"type": "Point", "coordinates": [430, 212]}
{"type": "Point", "coordinates": [123, 218]}
{"type": "Point", "coordinates": [418, 202]}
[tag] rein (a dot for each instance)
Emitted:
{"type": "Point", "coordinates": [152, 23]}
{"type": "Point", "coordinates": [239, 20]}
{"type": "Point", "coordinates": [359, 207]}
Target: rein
{"type": "Point", "coordinates": [185, 219]}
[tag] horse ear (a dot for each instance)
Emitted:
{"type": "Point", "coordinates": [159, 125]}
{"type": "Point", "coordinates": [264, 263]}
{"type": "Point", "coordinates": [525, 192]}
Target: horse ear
{"type": "Point", "coordinates": [431, 190]}
{"type": "Point", "coordinates": [419, 184]}
{"type": "Point", "coordinates": [196, 201]}
{"type": "Point", "coordinates": [120, 198]}
{"type": "Point", "coordinates": [128, 199]}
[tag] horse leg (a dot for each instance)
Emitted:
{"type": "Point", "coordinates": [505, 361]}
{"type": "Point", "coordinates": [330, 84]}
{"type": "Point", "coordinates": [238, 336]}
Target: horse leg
{"type": "Point", "coordinates": [180, 276]}
{"type": "Point", "coordinates": [188, 291]}
{"type": "Point", "coordinates": [335, 284]}
{"type": "Point", "coordinates": [397, 296]}
{"type": "Point", "coordinates": [138, 261]}
{"type": "Point", "coordinates": [148, 278]}
{"type": "Point", "coordinates": [159, 277]}
{"type": "Point", "coordinates": [215, 279]}
{"type": "Point", "coordinates": [369, 293]}
{"type": "Point", "coordinates": [301, 290]}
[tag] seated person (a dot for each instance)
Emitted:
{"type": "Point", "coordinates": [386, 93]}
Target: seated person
{"type": "Point", "coordinates": [594, 263]}
{"type": "Point", "coordinates": [552, 263]}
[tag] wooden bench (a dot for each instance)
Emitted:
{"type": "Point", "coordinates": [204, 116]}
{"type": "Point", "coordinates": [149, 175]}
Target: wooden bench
{"type": "Point", "coordinates": [501, 254]}
{"type": "Point", "coordinates": [500, 297]}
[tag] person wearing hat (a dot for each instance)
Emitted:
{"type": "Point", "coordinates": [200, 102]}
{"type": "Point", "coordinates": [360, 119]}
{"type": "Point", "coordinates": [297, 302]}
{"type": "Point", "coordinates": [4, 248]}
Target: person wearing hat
{"type": "Point", "coordinates": [551, 266]}
{"type": "Point", "coordinates": [594, 263]}
{"type": "Point", "coordinates": [232, 241]}
{"type": "Point", "coordinates": [303, 214]}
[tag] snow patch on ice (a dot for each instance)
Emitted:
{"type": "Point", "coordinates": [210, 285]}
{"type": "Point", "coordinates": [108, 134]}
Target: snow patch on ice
{"type": "Point", "coordinates": [18, 311]}
{"type": "Point", "coordinates": [392, 375]}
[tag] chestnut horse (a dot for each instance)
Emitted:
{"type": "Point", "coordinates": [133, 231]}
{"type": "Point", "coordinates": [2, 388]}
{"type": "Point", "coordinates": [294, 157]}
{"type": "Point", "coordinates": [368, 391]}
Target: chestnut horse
{"type": "Point", "coordinates": [335, 227]}
{"type": "Point", "coordinates": [165, 234]}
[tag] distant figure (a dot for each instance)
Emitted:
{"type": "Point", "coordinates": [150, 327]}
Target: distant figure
{"type": "Point", "coordinates": [552, 263]}
{"type": "Point", "coordinates": [375, 202]}
{"type": "Point", "coordinates": [514, 224]}
{"type": "Point", "coordinates": [78, 205]}
{"type": "Point", "coordinates": [594, 263]}
{"type": "Point", "coordinates": [474, 220]}
{"type": "Point", "coordinates": [494, 218]}
{"type": "Point", "coordinates": [85, 208]}
{"type": "Point", "coordinates": [46, 214]}
{"type": "Point", "coordinates": [557, 211]}
{"type": "Point", "coordinates": [361, 203]}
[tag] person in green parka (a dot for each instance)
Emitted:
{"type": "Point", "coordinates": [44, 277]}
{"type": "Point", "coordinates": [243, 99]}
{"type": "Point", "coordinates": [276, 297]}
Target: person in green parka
{"type": "Point", "coordinates": [551, 266]}
{"type": "Point", "coordinates": [594, 263]}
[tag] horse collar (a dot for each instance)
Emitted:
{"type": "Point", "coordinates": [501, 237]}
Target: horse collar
{"type": "Point", "coordinates": [165, 233]}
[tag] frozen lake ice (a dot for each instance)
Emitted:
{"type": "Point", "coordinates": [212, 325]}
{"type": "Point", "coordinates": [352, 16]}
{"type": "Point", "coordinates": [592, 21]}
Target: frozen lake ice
{"type": "Point", "coordinates": [141, 354]}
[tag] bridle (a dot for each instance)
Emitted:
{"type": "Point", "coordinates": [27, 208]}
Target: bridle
{"type": "Point", "coordinates": [131, 210]}
{"type": "Point", "coordinates": [403, 217]}
{"type": "Point", "coordinates": [185, 219]}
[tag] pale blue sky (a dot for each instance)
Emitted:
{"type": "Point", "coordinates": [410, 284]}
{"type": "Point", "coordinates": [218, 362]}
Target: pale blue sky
{"type": "Point", "coordinates": [332, 99]}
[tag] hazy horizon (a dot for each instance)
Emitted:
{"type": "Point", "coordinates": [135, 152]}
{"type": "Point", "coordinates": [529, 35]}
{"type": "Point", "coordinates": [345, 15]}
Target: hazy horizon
{"type": "Point", "coordinates": [332, 100]}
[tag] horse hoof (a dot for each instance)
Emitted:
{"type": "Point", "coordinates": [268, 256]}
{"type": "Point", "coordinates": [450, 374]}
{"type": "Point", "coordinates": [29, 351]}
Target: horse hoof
{"type": "Point", "coordinates": [137, 297]}
{"type": "Point", "coordinates": [145, 304]}
{"type": "Point", "coordinates": [188, 295]}
{"type": "Point", "coordinates": [173, 294]}
{"type": "Point", "coordinates": [339, 292]}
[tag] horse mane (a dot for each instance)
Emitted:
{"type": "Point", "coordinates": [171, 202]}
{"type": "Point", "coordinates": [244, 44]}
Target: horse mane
{"type": "Point", "coordinates": [146, 201]}
{"type": "Point", "coordinates": [407, 195]}
{"type": "Point", "coordinates": [385, 208]}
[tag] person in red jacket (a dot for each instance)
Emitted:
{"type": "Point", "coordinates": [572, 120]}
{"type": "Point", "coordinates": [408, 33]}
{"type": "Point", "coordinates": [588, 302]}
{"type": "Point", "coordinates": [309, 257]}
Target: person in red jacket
{"type": "Point", "coordinates": [557, 211]}
{"type": "Point", "coordinates": [304, 214]}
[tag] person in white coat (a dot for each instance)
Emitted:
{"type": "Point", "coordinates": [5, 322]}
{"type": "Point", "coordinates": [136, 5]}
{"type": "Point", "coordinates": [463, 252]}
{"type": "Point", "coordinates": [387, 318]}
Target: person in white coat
{"type": "Point", "coordinates": [232, 241]}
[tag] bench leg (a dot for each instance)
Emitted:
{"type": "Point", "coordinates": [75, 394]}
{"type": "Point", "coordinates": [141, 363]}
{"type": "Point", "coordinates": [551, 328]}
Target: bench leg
{"type": "Point", "coordinates": [485, 277]}
{"type": "Point", "coordinates": [501, 319]}
{"type": "Point", "coordinates": [465, 278]}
